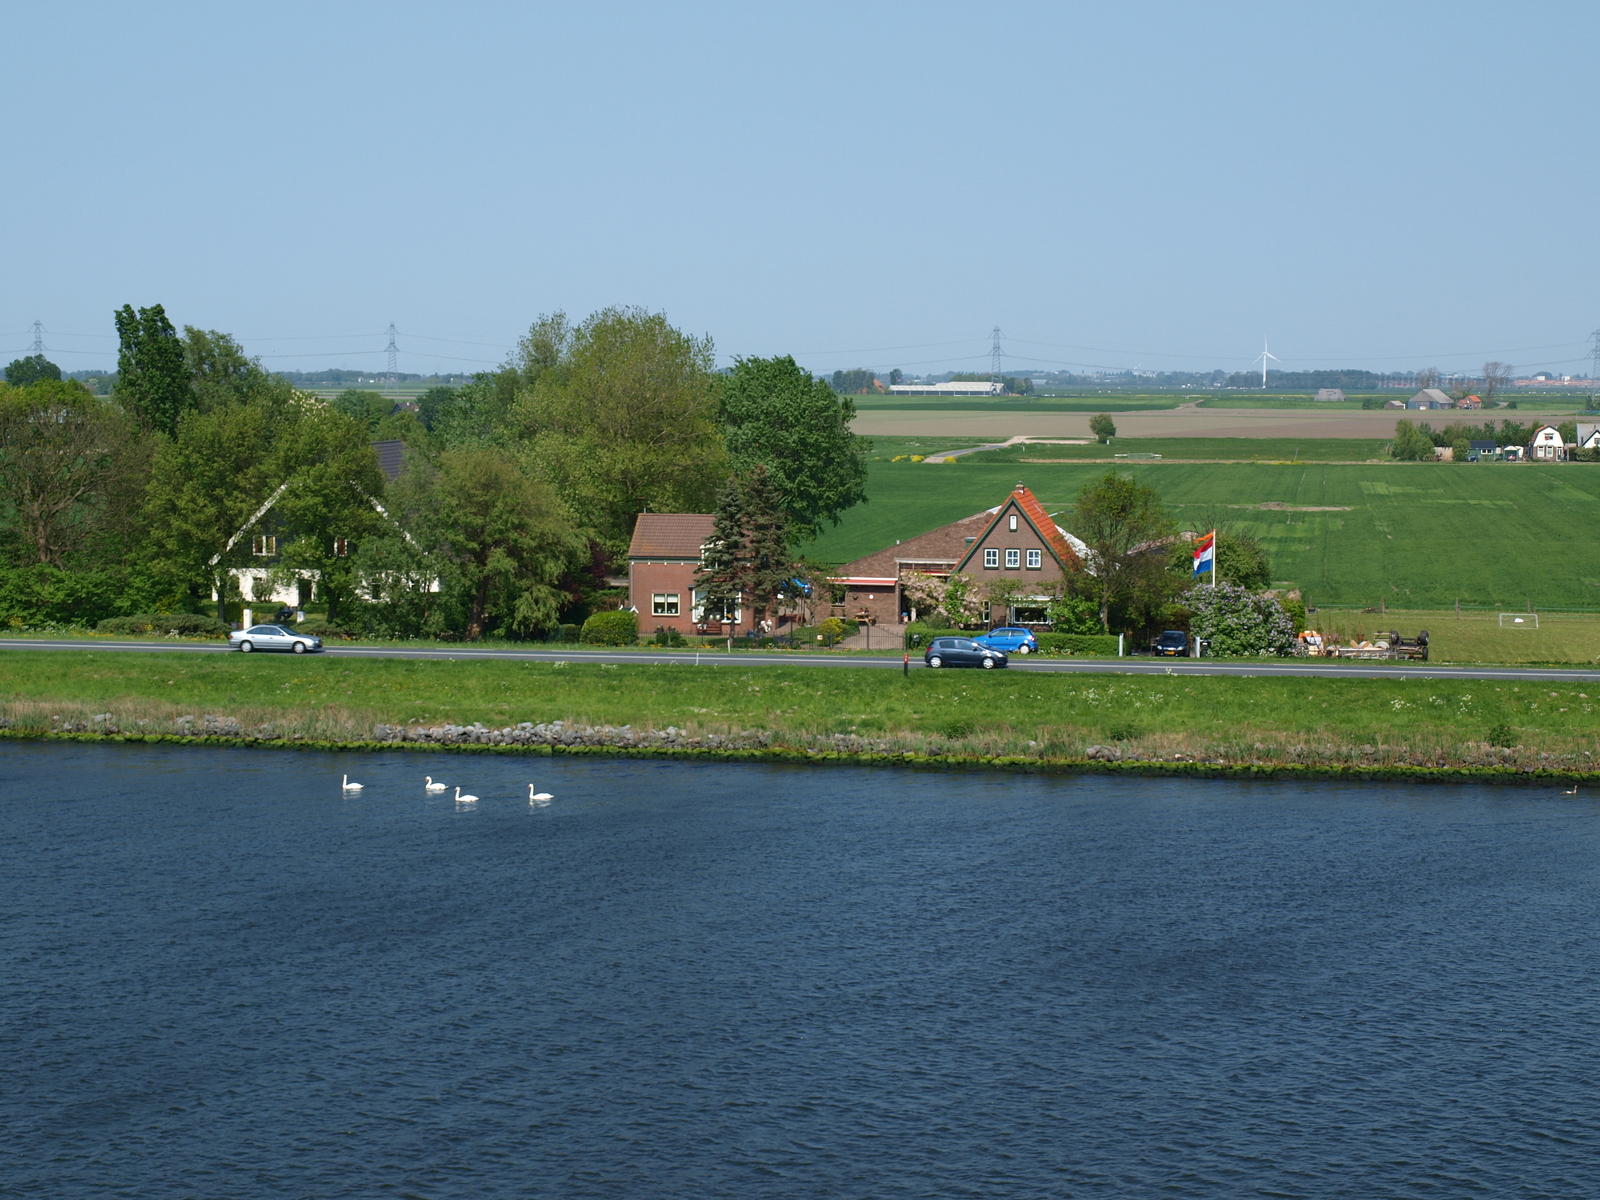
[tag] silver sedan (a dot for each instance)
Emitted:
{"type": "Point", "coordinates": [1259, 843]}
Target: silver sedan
{"type": "Point", "coordinates": [273, 637]}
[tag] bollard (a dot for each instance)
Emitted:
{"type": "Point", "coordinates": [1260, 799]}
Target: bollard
{"type": "Point", "coordinates": [906, 665]}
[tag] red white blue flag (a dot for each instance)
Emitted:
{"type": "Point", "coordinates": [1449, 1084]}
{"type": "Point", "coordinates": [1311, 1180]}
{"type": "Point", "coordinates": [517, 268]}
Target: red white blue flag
{"type": "Point", "coordinates": [1205, 553]}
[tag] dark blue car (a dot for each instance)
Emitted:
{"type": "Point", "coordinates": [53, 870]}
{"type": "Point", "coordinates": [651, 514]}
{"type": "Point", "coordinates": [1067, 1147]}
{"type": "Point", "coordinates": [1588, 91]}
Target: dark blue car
{"type": "Point", "coordinates": [1013, 639]}
{"type": "Point", "coordinates": [962, 652]}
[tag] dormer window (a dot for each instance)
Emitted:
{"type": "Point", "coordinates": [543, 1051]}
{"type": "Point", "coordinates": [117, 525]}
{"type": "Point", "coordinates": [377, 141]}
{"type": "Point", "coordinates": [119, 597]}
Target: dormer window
{"type": "Point", "coordinates": [263, 547]}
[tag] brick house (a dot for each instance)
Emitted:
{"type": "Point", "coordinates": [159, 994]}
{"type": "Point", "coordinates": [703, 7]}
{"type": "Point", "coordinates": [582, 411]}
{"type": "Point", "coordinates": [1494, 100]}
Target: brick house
{"type": "Point", "coordinates": [662, 561]}
{"type": "Point", "coordinates": [1014, 540]}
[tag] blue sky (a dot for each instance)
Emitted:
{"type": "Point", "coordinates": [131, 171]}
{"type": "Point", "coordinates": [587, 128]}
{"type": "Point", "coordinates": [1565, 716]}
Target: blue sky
{"type": "Point", "coordinates": [1161, 185]}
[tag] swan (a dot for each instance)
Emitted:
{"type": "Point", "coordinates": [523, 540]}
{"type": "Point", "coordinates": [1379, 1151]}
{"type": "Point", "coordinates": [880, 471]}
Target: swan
{"type": "Point", "coordinates": [1572, 791]}
{"type": "Point", "coordinates": [350, 787]}
{"type": "Point", "coordinates": [538, 797]}
{"type": "Point", "coordinates": [428, 785]}
{"type": "Point", "coordinates": [460, 799]}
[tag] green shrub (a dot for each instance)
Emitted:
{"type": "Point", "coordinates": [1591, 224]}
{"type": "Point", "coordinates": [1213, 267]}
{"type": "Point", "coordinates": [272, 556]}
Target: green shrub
{"type": "Point", "coordinates": [1124, 733]}
{"type": "Point", "coordinates": [834, 629]}
{"type": "Point", "coordinates": [568, 633]}
{"type": "Point", "coordinates": [1239, 622]}
{"type": "Point", "coordinates": [927, 632]}
{"type": "Point", "coordinates": [42, 595]}
{"type": "Point", "coordinates": [613, 628]}
{"type": "Point", "coordinates": [668, 637]}
{"type": "Point", "coordinates": [1075, 645]}
{"type": "Point", "coordinates": [181, 624]}
{"type": "Point", "coordinates": [323, 628]}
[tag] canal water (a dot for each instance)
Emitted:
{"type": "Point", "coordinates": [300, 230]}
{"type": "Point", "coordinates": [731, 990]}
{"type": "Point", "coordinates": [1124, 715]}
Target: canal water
{"type": "Point", "coordinates": [226, 977]}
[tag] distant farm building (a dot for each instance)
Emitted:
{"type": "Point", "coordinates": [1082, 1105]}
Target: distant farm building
{"type": "Point", "coordinates": [1330, 393]}
{"type": "Point", "coordinates": [965, 387]}
{"type": "Point", "coordinates": [1588, 436]}
{"type": "Point", "coordinates": [1470, 402]}
{"type": "Point", "coordinates": [1430, 398]}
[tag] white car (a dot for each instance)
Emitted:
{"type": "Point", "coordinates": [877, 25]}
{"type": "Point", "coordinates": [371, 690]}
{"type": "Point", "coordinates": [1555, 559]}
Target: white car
{"type": "Point", "coordinates": [273, 637]}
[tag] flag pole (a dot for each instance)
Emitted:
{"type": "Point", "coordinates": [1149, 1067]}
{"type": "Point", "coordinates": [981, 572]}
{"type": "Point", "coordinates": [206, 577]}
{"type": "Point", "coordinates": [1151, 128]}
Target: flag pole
{"type": "Point", "coordinates": [1213, 558]}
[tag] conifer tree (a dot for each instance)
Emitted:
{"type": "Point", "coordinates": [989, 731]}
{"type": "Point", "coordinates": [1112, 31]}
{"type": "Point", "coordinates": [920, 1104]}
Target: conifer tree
{"type": "Point", "coordinates": [769, 567]}
{"type": "Point", "coordinates": [152, 377]}
{"type": "Point", "coordinates": [720, 577]}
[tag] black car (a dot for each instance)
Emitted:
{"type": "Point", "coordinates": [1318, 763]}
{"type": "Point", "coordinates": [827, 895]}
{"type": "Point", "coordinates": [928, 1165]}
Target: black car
{"type": "Point", "coordinates": [1174, 643]}
{"type": "Point", "coordinates": [962, 652]}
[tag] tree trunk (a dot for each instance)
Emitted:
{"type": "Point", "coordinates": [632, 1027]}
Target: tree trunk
{"type": "Point", "coordinates": [480, 601]}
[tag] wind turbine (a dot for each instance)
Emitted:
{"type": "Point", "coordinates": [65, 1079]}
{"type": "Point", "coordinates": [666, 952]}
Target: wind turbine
{"type": "Point", "coordinates": [1262, 359]}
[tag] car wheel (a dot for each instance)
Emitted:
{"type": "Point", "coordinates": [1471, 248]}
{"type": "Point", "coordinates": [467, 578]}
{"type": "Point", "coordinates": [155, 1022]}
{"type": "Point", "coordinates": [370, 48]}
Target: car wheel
{"type": "Point", "coordinates": [936, 661]}
{"type": "Point", "coordinates": [988, 664]}
{"type": "Point", "coordinates": [1024, 650]}
{"type": "Point", "coordinates": [299, 647]}
{"type": "Point", "coordinates": [245, 647]}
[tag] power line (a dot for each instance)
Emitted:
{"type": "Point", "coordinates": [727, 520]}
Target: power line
{"type": "Point", "coordinates": [393, 352]}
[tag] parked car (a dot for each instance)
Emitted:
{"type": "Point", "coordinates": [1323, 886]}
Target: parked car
{"type": "Point", "coordinates": [962, 652]}
{"type": "Point", "coordinates": [1173, 643]}
{"type": "Point", "coordinates": [1013, 639]}
{"type": "Point", "coordinates": [273, 637]}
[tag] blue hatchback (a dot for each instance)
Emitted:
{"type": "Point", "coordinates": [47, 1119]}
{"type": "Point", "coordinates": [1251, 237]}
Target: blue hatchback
{"type": "Point", "coordinates": [1013, 639]}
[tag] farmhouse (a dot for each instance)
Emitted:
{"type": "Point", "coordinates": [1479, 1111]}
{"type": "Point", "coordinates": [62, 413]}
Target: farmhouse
{"type": "Point", "coordinates": [1588, 436]}
{"type": "Point", "coordinates": [1546, 445]}
{"type": "Point", "coordinates": [1470, 402]}
{"type": "Point", "coordinates": [1016, 539]}
{"type": "Point", "coordinates": [1430, 398]}
{"type": "Point", "coordinates": [662, 561]}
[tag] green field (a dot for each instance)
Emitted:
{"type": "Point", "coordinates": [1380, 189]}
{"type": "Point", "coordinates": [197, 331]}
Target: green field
{"type": "Point", "coordinates": [1202, 449]}
{"type": "Point", "coordinates": [1411, 534]}
{"type": "Point", "coordinates": [1004, 405]}
{"type": "Point", "coordinates": [1219, 719]}
{"type": "Point", "coordinates": [1246, 400]}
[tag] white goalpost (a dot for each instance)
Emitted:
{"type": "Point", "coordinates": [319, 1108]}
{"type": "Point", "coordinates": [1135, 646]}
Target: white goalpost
{"type": "Point", "coordinates": [1519, 620]}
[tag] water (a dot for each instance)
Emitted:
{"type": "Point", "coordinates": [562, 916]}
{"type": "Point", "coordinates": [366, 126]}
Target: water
{"type": "Point", "coordinates": [224, 979]}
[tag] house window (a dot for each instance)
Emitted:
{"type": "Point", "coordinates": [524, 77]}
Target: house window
{"type": "Point", "coordinates": [664, 604]}
{"type": "Point", "coordinates": [1013, 558]}
{"type": "Point", "coordinates": [991, 559]}
{"type": "Point", "coordinates": [1013, 525]}
{"type": "Point", "coordinates": [263, 547]}
{"type": "Point", "coordinates": [341, 547]}
{"type": "Point", "coordinates": [1035, 559]}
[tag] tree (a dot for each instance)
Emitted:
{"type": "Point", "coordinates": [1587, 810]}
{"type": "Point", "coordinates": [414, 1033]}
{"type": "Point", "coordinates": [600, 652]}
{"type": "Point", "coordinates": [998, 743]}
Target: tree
{"type": "Point", "coordinates": [1103, 427]}
{"type": "Point", "coordinates": [1411, 444]}
{"type": "Point", "coordinates": [854, 382]}
{"type": "Point", "coordinates": [747, 558]}
{"type": "Point", "coordinates": [23, 371]}
{"type": "Point", "coordinates": [510, 537]}
{"type": "Point", "coordinates": [1428, 377]}
{"type": "Point", "coordinates": [1241, 559]}
{"type": "Point", "coordinates": [1121, 521]}
{"type": "Point", "coordinates": [777, 417]}
{"type": "Point", "coordinates": [68, 463]}
{"type": "Point", "coordinates": [719, 579]}
{"type": "Point", "coordinates": [152, 376]}
{"type": "Point", "coordinates": [1496, 378]}
{"type": "Point", "coordinates": [1237, 621]}
{"type": "Point", "coordinates": [367, 408]}
{"type": "Point", "coordinates": [1073, 614]}
{"type": "Point", "coordinates": [895, 377]}
{"type": "Point", "coordinates": [619, 416]}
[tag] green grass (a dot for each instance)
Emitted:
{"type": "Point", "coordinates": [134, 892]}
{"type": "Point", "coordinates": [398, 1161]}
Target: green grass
{"type": "Point", "coordinates": [1477, 637]}
{"type": "Point", "coordinates": [1267, 400]}
{"type": "Point", "coordinates": [1231, 719]}
{"type": "Point", "coordinates": [1414, 535]}
{"type": "Point", "coordinates": [1006, 405]}
{"type": "Point", "coordinates": [1204, 449]}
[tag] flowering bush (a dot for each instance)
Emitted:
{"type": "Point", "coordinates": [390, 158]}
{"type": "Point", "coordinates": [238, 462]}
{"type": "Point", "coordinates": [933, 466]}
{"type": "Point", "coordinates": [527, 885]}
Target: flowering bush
{"type": "Point", "coordinates": [960, 597]}
{"type": "Point", "coordinates": [1238, 622]}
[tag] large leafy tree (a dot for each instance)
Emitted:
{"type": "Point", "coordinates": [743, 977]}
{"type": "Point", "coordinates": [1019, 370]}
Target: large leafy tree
{"type": "Point", "coordinates": [23, 371]}
{"type": "Point", "coordinates": [618, 414]}
{"type": "Point", "coordinates": [152, 376]}
{"type": "Point", "coordinates": [220, 373]}
{"type": "Point", "coordinates": [777, 417]}
{"type": "Point", "coordinates": [70, 465]}
{"type": "Point", "coordinates": [1122, 522]}
{"type": "Point", "coordinates": [510, 538]}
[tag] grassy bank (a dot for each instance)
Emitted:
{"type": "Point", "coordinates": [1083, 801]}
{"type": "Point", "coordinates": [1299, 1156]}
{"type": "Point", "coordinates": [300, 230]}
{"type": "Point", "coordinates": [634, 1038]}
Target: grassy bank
{"type": "Point", "coordinates": [1312, 723]}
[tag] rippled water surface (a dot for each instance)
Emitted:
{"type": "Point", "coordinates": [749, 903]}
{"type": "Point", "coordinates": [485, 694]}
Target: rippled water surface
{"type": "Point", "coordinates": [222, 978]}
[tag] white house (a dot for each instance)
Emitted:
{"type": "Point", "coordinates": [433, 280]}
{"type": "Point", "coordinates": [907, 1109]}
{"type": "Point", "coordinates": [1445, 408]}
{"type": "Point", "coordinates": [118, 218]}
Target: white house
{"type": "Point", "coordinates": [1588, 436]}
{"type": "Point", "coordinates": [1546, 445]}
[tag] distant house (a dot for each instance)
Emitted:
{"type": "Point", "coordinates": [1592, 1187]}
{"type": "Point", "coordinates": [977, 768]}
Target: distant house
{"type": "Point", "coordinates": [1469, 402]}
{"type": "Point", "coordinates": [1481, 450]}
{"type": "Point", "coordinates": [1430, 398]}
{"type": "Point", "coordinates": [663, 559]}
{"type": "Point", "coordinates": [1588, 436]}
{"type": "Point", "coordinates": [970, 387]}
{"type": "Point", "coordinates": [1546, 445]}
{"type": "Point", "coordinates": [1394, 404]}
{"type": "Point", "coordinates": [1330, 394]}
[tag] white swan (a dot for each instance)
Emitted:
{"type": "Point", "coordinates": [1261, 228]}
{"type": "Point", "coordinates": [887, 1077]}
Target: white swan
{"type": "Point", "coordinates": [460, 799]}
{"type": "Point", "coordinates": [350, 787]}
{"type": "Point", "coordinates": [428, 785]}
{"type": "Point", "coordinates": [538, 797]}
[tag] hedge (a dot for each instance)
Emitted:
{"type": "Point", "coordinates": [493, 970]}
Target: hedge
{"type": "Point", "coordinates": [43, 595]}
{"type": "Point", "coordinates": [1066, 644]}
{"type": "Point", "coordinates": [611, 629]}
{"type": "Point", "coordinates": [191, 624]}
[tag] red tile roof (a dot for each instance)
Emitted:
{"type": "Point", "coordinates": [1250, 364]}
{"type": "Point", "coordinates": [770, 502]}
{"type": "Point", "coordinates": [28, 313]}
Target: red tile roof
{"type": "Point", "coordinates": [670, 535]}
{"type": "Point", "coordinates": [1035, 512]}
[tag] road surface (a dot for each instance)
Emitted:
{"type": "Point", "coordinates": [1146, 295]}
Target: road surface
{"type": "Point", "coordinates": [1094, 666]}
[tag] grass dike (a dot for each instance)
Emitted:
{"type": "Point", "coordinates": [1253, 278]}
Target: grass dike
{"type": "Point", "coordinates": [1180, 725]}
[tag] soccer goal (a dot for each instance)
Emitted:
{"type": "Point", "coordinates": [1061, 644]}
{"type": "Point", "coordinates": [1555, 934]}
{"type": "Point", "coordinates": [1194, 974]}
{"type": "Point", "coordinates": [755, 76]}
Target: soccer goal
{"type": "Point", "coordinates": [1519, 620]}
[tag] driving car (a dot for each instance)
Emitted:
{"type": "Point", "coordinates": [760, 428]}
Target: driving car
{"type": "Point", "coordinates": [1173, 643]}
{"type": "Point", "coordinates": [273, 637]}
{"type": "Point", "coordinates": [1013, 639]}
{"type": "Point", "coordinates": [962, 652]}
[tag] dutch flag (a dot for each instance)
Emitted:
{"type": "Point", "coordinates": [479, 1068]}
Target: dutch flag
{"type": "Point", "coordinates": [1205, 553]}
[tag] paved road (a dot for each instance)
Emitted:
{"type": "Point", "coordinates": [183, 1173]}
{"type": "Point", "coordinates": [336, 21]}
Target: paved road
{"type": "Point", "coordinates": [1099, 666]}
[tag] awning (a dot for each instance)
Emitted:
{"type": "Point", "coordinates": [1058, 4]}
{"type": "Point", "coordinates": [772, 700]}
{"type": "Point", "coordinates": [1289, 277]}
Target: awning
{"type": "Point", "coordinates": [861, 581]}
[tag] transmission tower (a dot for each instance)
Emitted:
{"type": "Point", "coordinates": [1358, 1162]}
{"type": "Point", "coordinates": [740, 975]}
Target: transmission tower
{"type": "Point", "coordinates": [38, 337]}
{"type": "Point", "coordinates": [1594, 371]}
{"type": "Point", "coordinates": [995, 375]}
{"type": "Point", "coordinates": [393, 352]}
